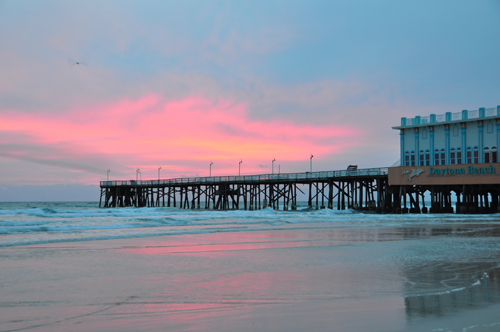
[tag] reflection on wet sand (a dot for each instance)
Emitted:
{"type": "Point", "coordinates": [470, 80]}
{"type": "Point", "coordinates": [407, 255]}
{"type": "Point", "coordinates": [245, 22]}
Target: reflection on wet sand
{"type": "Point", "coordinates": [390, 278]}
{"type": "Point", "coordinates": [460, 270]}
{"type": "Point", "coordinates": [476, 289]}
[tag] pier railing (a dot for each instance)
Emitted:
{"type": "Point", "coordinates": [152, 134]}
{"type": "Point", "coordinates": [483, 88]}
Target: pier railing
{"type": "Point", "coordinates": [306, 176]}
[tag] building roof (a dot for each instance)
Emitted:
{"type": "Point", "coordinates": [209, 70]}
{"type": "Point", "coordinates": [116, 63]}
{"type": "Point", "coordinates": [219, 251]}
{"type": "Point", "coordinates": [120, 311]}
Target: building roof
{"type": "Point", "coordinates": [450, 118]}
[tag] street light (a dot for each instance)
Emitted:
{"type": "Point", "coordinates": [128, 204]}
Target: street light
{"type": "Point", "coordinates": [311, 164]}
{"type": "Point", "coordinates": [137, 174]}
{"type": "Point", "coordinates": [210, 174]}
{"type": "Point", "coordinates": [272, 171]}
{"type": "Point", "coordinates": [107, 175]}
{"type": "Point", "coordinates": [239, 168]}
{"type": "Point", "coordinates": [159, 173]}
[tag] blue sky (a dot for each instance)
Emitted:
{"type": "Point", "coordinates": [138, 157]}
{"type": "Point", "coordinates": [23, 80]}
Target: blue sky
{"type": "Point", "coordinates": [355, 67]}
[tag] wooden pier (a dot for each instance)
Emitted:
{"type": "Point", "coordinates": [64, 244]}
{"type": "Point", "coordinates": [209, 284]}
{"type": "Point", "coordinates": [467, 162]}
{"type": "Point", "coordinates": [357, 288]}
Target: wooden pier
{"type": "Point", "coordinates": [360, 189]}
{"type": "Point", "coordinates": [381, 190]}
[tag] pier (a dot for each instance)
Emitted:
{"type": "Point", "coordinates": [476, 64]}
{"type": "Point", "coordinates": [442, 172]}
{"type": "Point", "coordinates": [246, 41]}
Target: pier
{"type": "Point", "coordinates": [360, 189]}
{"type": "Point", "coordinates": [442, 157]}
{"type": "Point", "coordinates": [381, 190]}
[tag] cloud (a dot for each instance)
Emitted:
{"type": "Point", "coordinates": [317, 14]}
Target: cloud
{"type": "Point", "coordinates": [73, 165]}
{"type": "Point", "coordinates": [150, 130]}
{"type": "Point", "coordinates": [179, 83]}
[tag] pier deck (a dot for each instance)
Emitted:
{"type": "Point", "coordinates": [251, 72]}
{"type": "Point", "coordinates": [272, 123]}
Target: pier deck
{"type": "Point", "coordinates": [359, 189]}
{"type": "Point", "coordinates": [353, 188]}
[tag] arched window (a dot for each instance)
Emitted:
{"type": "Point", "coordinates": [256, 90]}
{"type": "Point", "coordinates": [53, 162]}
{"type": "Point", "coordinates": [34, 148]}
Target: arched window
{"type": "Point", "coordinates": [407, 158]}
{"type": "Point", "coordinates": [421, 158]}
{"type": "Point", "coordinates": [424, 133]}
{"type": "Point", "coordinates": [490, 155]}
{"type": "Point", "coordinates": [412, 158]}
{"type": "Point", "coordinates": [436, 157]}
{"type": "Point", "coordinates": [486, 155]}
{"type": "Point", "coordinates": [443, 157]}
{"type": "Point", "coordinates": [427, 158]}
{"type": "Point", "coordinates": [469, 155]}
{"type": "Point", "coordinates": [459, 155]}
{"type": "Point", "coordinates": [455, 130]}
{"type": "Point", "coordinates": [453, 156]}
{"type": "Point", "coordinates": [476, 155]}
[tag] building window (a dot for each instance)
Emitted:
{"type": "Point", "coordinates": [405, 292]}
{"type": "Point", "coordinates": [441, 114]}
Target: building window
{"type": "Point", "coordinates": [455, 130]}
{"type": "Point", "coordinates": [459, 155]}
{"type": "Point", "coordinates": [486, 155]}
{"type": "Point", "coordinates": [425, 158]}
{"type": "Point", "coordinates": [412, 158]}
{"type": "Point", "coordinates": [407, 159]}
{"type": "Point", "coordinates": [424, 133]}
{"type": "Point", "coordinates": [452, 156]}
{"type": "Point", "coordinates": [469, 155]}
{"type": "Point", "coordinates": [439, 157]}
{"type": "Point", "coordinates": [476, 155]}
{"type": "Point", "coordinates": [490, 156]}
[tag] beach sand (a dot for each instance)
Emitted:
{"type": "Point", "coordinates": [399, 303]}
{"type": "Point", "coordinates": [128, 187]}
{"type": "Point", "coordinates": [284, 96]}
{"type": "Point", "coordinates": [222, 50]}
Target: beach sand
{"type": "Point", "coordinates": [360, 279]}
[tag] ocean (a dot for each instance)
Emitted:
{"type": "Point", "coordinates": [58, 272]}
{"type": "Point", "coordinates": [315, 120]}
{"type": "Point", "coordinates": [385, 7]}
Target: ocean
{"type": "Point", "coordinates": [24, 223]}
{"type": "Point", "coordinates": [73, 266]}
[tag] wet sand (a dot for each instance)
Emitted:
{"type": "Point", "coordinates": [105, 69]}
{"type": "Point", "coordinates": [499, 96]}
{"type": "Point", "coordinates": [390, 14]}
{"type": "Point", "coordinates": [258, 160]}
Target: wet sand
{"type": "Point", "coordinates": [343, 279]}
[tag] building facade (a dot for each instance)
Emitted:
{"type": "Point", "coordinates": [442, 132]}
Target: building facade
{"type": "Point", "coordinates": [449, 155]}
{"type": "Point", "coordinates": [467, 137]}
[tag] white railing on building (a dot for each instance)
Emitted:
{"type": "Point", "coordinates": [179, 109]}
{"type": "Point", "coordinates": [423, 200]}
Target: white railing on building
{"type": "Point", "coordinates": [456, 116]}
{"type": "Point", "coordinates": [491, 111]}
{"type": "Point", "coordinates": [441, 118]}
{"type": "Point", "coordinates": [252, 178]}
{"type": "Point", "coordinates": [474, 114]}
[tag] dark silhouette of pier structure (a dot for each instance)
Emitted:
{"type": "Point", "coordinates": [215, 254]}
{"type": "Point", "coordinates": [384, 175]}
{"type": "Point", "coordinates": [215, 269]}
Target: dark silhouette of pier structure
{"type": "Point", "coordinates": [357, 189]}
{"type": "Point", "coordinates": [361, 189]}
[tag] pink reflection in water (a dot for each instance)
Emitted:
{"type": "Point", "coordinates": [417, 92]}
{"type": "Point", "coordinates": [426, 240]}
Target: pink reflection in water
{"type": "Point", "coordinates": [209, 245]}
{"type": "Point", "coordinates": [204, 282]}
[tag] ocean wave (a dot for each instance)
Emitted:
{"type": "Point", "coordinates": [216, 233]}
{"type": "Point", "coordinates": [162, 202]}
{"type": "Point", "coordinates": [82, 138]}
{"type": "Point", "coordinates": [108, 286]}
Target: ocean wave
{"type": "Point", "coordinates": [65, 221]}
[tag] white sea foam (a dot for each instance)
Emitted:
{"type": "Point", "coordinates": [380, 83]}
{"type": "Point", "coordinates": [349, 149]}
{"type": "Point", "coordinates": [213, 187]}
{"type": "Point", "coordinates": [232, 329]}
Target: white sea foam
{"type": "Point", "coordinates": [49, 222]}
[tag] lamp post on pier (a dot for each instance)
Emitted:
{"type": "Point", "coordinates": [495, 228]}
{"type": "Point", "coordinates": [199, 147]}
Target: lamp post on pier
{"type": "Point", "coordinates": [272, 170]}
{"type": "Point", "coordinates": [137, 174]}
{"type": "Point", "coordinates": [311, 168]}
{"type": "Point", "coordinates": [239, 168]}
{"type": "Point", "coordinates": [107, 175]}
{"type": "Point", "coordinates": [210, 174]}
{"type": "Point", "coordinates": [159, 174]}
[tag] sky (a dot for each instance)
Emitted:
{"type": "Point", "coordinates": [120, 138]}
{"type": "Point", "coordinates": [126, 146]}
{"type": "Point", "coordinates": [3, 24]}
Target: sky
{"type": "Point", "coordinates": [91, 86]}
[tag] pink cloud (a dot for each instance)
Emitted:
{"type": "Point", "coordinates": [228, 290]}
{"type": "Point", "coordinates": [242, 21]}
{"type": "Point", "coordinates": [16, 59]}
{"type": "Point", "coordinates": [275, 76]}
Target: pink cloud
{"type": "Point", "coordinates": [150, 131]}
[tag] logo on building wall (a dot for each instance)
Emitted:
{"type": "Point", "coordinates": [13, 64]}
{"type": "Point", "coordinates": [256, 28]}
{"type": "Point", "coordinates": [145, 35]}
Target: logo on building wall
{"type": "Point", "coordinates": [414, 172]}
